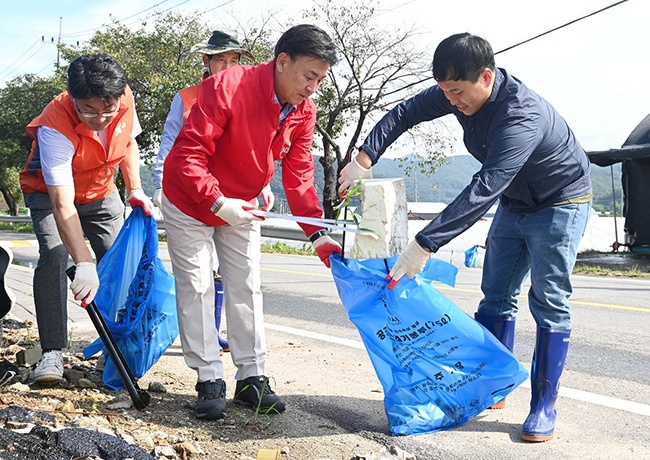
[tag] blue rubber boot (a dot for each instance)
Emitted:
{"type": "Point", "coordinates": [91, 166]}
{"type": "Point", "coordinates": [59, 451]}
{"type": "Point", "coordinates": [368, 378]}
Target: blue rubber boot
{"type": "Point", "coordinates": [504, 330]}
{"type": "Point", "coordinates": [218, 307]}
{"type": "Point", "coordinates": [548, 363]}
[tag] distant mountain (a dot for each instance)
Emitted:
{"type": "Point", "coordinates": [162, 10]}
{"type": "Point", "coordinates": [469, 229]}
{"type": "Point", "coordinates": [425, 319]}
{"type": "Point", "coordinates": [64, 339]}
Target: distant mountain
{"type": "Point", "coordinates": [443, 185]}
{"type": "Point", "coordinates": [452, 177]}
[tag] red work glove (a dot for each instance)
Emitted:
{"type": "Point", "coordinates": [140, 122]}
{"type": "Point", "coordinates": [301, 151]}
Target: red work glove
{"type": "Point", "coordinates": [138, 198]}
{"type": "Point", "coordinates": [326, 246]}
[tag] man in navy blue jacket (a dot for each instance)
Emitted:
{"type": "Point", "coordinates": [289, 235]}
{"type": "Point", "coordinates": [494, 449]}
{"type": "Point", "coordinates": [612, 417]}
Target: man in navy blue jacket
{"type": "Point", "coordinates": [533, 164]}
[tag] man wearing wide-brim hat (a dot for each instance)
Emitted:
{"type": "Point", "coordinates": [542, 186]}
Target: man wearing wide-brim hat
{"type": "Point", "coordinates": [221, 52]}
{"type": "Point", "coordinates": [220, 43]}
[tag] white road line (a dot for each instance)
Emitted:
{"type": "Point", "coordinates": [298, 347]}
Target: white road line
{"type": "Point", "coordinates": [315, 335]}
{"type": "Point", "coordinates": [578, 395]}
{"type": "Point", "coordinates": [607, 401]}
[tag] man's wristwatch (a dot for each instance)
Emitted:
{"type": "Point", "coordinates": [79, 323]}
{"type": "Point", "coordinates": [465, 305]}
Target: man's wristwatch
{"type": "Point", "coordinates": [317, 234]}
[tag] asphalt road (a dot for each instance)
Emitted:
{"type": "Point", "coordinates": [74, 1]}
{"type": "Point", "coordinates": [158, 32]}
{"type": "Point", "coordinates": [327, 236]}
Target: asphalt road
{"type": "Point", "coordinates": [604, 404]}
{"type": "Point", "coordinates": [604, 408]}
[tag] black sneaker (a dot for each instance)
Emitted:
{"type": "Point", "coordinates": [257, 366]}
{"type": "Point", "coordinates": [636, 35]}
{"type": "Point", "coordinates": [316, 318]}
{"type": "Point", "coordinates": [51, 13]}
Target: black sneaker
{"type": "Point", "coordinates": [255, 392]}
{"type": "Point", "coordinates": [211, 404]}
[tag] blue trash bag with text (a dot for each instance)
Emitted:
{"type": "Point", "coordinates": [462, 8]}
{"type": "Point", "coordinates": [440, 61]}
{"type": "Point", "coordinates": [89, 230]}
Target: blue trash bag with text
{"type": "Point", "coordinates": [136, 298]}
{"type": "Point", "coordinates": [438, 367]}
{"type": "Point", "coordinates": [471, 256]}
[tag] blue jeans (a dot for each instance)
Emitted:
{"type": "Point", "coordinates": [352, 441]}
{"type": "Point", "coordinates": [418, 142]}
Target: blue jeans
{"type": "Point", "coordinates": [101, 221]}
{"type": "Point", "coordinates": [543, 244]}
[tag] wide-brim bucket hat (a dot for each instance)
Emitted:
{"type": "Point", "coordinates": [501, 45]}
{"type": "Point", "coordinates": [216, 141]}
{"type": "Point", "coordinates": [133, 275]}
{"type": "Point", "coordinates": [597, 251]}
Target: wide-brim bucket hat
{"type": "Point", "coordinates": [221, 42]}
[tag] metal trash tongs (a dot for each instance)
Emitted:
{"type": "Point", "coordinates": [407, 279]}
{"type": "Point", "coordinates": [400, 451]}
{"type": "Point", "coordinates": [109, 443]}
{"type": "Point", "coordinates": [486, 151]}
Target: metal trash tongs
{"type": "Point", "coordinates": [140, 398]}
{"type": "Point", "coordinates": [332, 224]}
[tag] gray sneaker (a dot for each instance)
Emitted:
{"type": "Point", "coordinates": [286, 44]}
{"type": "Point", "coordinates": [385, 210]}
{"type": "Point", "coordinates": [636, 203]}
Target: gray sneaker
{"type": "Point", "coordinates": [49, 368]}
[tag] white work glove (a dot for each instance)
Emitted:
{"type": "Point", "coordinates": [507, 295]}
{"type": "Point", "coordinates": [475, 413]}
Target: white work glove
{"type": "Point", "coordinates": [137, 198]}
{"type": "Point", "coordinates": [268, 198]}
{"type": "Point", "coordinates": [352, 173]}
{"type": "Point", "coordinates": [410, 263]}
{"type": "Point", "coordinates": [85, 283]}
{"type": "Point", "coordinates": [326, 246]}
{"type": "Point", "coordinates": [157, 197]}
{"type": "Point", "coordinates": [236, 212]}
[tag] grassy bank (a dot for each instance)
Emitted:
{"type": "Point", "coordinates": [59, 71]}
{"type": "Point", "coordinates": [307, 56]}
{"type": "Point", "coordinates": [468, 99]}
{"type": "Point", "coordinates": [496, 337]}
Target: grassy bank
{"type": "Point", "coordinates": [17, 227]}
{"type": "Point", "coordinates": [633, 271]}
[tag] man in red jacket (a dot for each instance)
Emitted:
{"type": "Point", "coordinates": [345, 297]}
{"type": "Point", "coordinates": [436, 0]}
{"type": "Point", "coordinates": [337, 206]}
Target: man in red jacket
{"type": "Point", "coordinates": [221, 52]}
{"type": "Point", "coordinates": [245, 119]}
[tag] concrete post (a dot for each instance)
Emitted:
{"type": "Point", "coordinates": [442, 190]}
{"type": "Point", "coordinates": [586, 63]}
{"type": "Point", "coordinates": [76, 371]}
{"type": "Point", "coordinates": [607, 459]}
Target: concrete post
{"type": "Point", "coordinates": [384, 211]}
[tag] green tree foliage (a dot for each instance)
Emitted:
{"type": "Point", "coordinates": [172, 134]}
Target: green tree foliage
{"type": "Point", "coordinates": [377, 68]}
{"type": "Point", "coordinates": [157, 61]}
{"type": "Point", "coordinates": [21, 100]}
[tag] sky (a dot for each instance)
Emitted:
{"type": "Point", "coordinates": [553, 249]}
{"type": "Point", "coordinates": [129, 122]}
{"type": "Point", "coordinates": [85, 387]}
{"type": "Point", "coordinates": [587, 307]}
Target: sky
{"type": "Point", "coordinates": [594, 71]}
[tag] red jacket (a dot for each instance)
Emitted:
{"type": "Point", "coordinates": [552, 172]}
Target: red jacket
{"type": "Point", "coordinates": [229, 143]}
{"type": "Point", "coordinates": [93, 168]}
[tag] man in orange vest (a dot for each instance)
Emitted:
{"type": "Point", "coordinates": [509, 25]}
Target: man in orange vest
{"type": "Point", "coordinates": [221, 52]}
{"type": "Point", "coordinates": [80, 139]}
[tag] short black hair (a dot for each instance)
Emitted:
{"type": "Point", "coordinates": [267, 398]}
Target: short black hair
{"type": "Point", "coordinates": [96, 75]}
{"type": "Point", "coordinates": [462, 57]}
{"type": "Point", "coordinates": [307, 40]}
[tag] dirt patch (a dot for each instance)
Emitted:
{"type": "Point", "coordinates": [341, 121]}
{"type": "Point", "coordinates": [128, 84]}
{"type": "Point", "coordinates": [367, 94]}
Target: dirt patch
{"type": "Point", "coordinates": [167, 428]}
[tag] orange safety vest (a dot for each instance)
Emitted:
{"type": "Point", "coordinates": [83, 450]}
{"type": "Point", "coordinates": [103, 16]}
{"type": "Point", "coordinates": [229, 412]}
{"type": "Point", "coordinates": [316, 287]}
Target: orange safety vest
{"type": "Point", "coordinates": [188, 95]}
{"type": "Point", "coordinates": [93, 169]}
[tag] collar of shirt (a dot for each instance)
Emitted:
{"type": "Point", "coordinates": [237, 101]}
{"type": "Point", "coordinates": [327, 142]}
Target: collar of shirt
{"type": "Point", "coordinates": [498, 82]}
{"type": "Point", "coordinates": [499, 78]}
{"type": "Point", "coordinates": [285, 109]}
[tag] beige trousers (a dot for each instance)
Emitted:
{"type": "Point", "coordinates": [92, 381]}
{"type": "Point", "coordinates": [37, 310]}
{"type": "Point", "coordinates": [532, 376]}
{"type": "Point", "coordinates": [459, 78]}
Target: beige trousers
{"type": "Point", "coordinates": [191, 246]}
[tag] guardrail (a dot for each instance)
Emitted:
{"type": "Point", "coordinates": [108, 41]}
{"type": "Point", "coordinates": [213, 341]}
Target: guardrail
{"type": "Point", "coordinates": [270, 229]}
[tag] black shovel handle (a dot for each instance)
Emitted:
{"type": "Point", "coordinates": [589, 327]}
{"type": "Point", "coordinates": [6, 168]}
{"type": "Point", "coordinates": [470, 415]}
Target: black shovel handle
{"type": "Point", "coordinates": [140, 398]}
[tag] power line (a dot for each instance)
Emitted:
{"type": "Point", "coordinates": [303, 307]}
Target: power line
{"type": "Point", "coordinates": [53, 64]}
{"type": "Point", "coordinates": [147, 16]}
{"type": "Point", "coordinates": [26, 59]}
{"type": "Point", "coordinates": [76, 8]}
{"type": "Point", "coordinates": [397, 7]}
{"type": "Point", "coordinates": [218, 6]}
{"type": "Point", "coordinates": [19, 57]}
{"type": "Point", "coordinates": [91, 31]}
{"type": "Point", "coordinates": [533, 38]}
{"type": "Point", "coordinates": [84, 32]}
{"type": "Point", "coordinates": [157, 4]}
{"type": "Point", "coordinates": [560, 27]}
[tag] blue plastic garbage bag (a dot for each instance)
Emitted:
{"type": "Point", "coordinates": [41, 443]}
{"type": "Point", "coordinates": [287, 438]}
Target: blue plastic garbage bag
{"type": "Point", "coordinates": [136, 298]}
{"type": "Point", "coordinates": [471, 256]}
{"type": "Point", "coordinates": [437, 365]}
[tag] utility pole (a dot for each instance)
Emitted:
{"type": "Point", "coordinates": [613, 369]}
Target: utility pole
{"type": "Point", "coordinates": [415, 186]}
{"type": "Point", "coordinates": [58, 46]}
